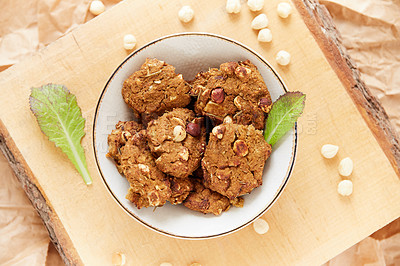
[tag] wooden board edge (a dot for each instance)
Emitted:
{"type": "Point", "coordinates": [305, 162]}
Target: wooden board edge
{"type": "Point", "coordinates": [320, 23]}
{"type": "Point", "coordinates": [56, 230]}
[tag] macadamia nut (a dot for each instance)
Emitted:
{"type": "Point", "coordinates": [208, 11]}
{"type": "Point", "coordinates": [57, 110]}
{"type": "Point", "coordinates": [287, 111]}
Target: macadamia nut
{"type": "Point", "coordinates": [345, 167]}
{"type": "Point", "coordinates": [186, 14]}
{"type": "Point", "coordinates": [118, 259]}
{"type": "Point", "coordinates": [259, 22]}
{"type": "Point", "coordinates": [329, 151]}
{"type": "Point", "coordinates": [260, 226]}
{"type": "Point", "coordinates": [284, 10]}
{"type": "Point", "coordinates": [233, 6]}
{"type": "Point", "coordinates": [255, 5]}
{"type": "Point", "coordinates": [97, 7]}
{"type": "Point", "coordinates": [283, 58]}
{"type": "Point", "coordinates": [345, 188]}
{"type": "Point", "coordinates": [264, 35]}
{"type": "Point", "coordinates": [129, 42]}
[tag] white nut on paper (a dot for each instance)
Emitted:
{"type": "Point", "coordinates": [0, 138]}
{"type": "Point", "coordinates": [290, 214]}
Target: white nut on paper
{"type": "Point", "coordinates": [186, 14]}
{"type": "Point", "coordinates": [329, 151]}
{"type": "Point", "coordinates": [284, 10]}
{"type": "Point", "coordinates": [255, 5]}
{"type": "Point", "coordinates": [264, 35]}
{"type": "Point", "coordinates": [345, 188]}
{"type": "Point", "coordinates": [129, 42]}
{"type": "Point", "coordinates": [259, 22]}
{"type": "Point", "coordinates": [166, 264]}
{"type": "Point", "coordinates": [283, 58]}
{"type": "Point", "coordinates": [345, 167]}
{"type": "Point", "coordinates": [233, 6]}
{"type": "Point", "coordinates": [97, 7]}
{"type": "Point", "coordinates": [260, 226]}
{"type": "Point", "coordinates": [118, 259]}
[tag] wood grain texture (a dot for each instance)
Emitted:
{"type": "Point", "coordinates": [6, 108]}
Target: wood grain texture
{"type": "Point", "coordinates": [309, 224]}
{"type": "Point", "coordinates": [320, 24]}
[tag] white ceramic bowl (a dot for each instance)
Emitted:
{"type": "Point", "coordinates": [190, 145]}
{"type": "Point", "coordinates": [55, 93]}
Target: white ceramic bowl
{"type": "Point", "coordinates": [190, 53]}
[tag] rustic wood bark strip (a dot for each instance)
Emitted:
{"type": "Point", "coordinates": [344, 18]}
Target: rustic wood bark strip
{"type": "Point", "coordinates": [54, 227]}
{"type": "Point", "coordinates": [320, 23]}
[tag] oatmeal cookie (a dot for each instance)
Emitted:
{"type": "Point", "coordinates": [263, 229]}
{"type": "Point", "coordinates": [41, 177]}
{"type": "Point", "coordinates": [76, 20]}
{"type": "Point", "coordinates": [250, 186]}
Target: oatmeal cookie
{"type": "Point", "coordinates": [177, 138]}
{"type": "Point", "coordinates": [235, 89]}
{"type": "Point", "coordinates": [234, 159]}
{"type": "Point", "coordinates": [148, 185]}
{"type": "Point", "coordinates": [204, 200]}
{"type": "Point", "coordinates": [155, 88]}
{"type": "Point", "coordinates": [118, 138]}
{"type": "Point", "coordinates": [180, 188]}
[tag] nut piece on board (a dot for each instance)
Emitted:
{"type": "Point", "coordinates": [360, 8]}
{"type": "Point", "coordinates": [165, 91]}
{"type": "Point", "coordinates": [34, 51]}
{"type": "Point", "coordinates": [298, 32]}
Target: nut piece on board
{"type": "Point", "coordinates": [260, 226]}
{"type": "Point", "coordinates": [259, 22]}
{"type": "Point", "coordinates": [233, 6]}
{"type": "Point", "coordinates": [129, 42]}
{"type": "Point", "coordinates": [255, 5]}
{"type": "Point", "coordinates": [264, 35]}
{"type": "Point", "coordinates": [284, 10]}
{"type": "Point", "coordinates": [97, 7]}
{"type": "Point", "coordinates": [283, 58]}
{"type": "Point", "coordinates": [345, 167]}
{"type": "Point", "coordinates": [186, 14]}
{"type": "Point", "coordinates": [118, 259]}
{"type": "Point", "coordinates": [329, 151]}
{"type": "Point", "coordinates": [345, 188]}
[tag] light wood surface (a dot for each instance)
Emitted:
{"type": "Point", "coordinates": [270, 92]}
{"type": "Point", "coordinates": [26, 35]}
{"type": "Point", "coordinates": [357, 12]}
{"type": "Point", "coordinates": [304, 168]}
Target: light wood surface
{"type": "Point", "coordinates": [309, 224]}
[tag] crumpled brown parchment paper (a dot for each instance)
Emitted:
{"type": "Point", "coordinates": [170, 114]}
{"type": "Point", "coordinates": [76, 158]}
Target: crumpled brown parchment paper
{"type": "Point", "coordinates": [371, 34]}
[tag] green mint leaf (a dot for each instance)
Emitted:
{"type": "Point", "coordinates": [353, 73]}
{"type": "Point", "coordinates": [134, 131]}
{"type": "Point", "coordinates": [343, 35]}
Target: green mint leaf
{"type": "Point", "coordinates": [283, 115]}
{"type": "Point", "coordinates": [60, 119]}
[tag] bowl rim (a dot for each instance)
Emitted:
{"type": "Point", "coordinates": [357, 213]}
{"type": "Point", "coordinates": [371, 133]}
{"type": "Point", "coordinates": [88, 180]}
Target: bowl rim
{"type": "Point", "coordinates": [153, 228]}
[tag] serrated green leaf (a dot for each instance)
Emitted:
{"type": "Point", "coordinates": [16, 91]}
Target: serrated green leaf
{"type": "Point", "coordinates": [60, 119]}
{"type": "Point", "coordinates": [283, 115]}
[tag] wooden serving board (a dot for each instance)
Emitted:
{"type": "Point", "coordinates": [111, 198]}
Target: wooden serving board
{"type": "Point", "coordinates": [309, 224]}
